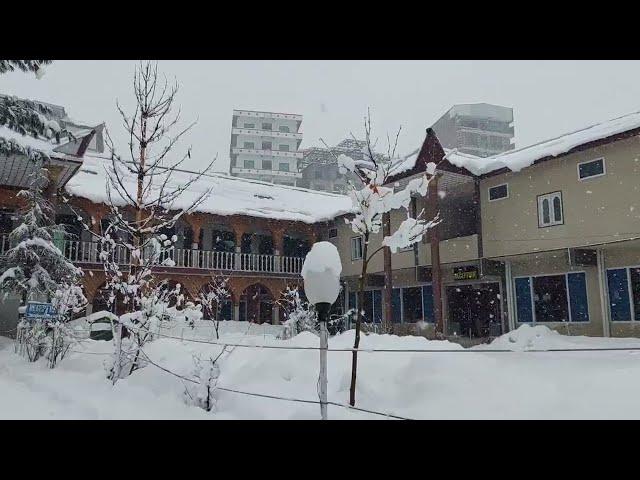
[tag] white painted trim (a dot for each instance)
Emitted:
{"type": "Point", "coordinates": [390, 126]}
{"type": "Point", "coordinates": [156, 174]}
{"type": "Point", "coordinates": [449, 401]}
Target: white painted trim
{"type": "Point", "coordinates": [553, 222]}
{"type": "Point", "coordinates": [604, 169]}
{"type": "Point", "coordinates": [604, 293]}
{"type": "Point", "coordinates": [511, 312]}
{"type": "Point", "coordinates": [497, 199]}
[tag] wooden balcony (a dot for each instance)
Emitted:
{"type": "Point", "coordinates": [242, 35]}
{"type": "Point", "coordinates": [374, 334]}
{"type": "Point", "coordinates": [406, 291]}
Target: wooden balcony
{"type": "Point", "coordinates": [175, 259]}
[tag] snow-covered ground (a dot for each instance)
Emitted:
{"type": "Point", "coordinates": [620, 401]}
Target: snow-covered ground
{"type": "Point", "coordinates": [457, 385]}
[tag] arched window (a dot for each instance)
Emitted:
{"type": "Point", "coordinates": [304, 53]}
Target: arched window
{"type": "Point", "coordinates": [545, 211]}
{"type": "Point", "coordinates": [550, 209]}
{"type": "Point", "coordinates": [557, 209]}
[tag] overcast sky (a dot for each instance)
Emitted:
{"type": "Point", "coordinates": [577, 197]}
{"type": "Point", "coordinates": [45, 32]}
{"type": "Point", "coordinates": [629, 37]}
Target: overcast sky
{"type": "Point", "coordinates": [548, 97]}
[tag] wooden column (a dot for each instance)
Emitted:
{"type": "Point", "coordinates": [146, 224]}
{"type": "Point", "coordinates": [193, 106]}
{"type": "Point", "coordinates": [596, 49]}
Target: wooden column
{"type": "Point", "coordinates": [195, 221]}
{"type": "Point", "coordinates": [436, 274]}
{"type": "Point", "coordinates": [278, 240]}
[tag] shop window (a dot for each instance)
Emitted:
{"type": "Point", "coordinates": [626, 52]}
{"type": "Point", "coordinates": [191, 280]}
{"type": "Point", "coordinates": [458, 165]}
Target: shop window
{"type": "Point", "coordinates": [396, 305]}
{"type": "Point", "coordinates": [624, 294]}
{"type": "Point", "coordinates": [552, 298]}
{"type": "Point", "coordinates": [412, 304]}
{"type": "Point", "coordinates": [427, 303]}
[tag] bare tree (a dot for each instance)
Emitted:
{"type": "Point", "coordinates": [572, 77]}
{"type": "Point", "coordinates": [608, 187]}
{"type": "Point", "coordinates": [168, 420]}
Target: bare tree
{"type": "Point", "coordinates": [371, 199]}
{"type": "Point", "coordinates": [145, 200]}
{"type": "Point", "coordinates": [213, 297]}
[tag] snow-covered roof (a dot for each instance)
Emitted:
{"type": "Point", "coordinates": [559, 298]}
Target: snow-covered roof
{"type": "Point", "coordinates": [516, 160]}
{"type": "Point", "coordinates": [408, 162]}
{"type": "Point", "coordinates": [42, 144]}
{"type": "Point", "coordinates": [230, 195]}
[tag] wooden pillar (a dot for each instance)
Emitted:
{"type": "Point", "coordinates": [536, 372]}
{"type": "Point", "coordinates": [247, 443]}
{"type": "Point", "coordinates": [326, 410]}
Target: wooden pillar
{"type": "Point", "coordinates": [196, 222]}
{"type": "Point", "coordinates": [436, 274]}
{"type": "Point", "coordinates": [387, 318]}
{"type": "Point", "coordinates": [278, 240]}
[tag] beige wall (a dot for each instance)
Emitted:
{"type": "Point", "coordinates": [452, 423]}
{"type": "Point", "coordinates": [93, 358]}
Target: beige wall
{"type": "Point", "coordinates": [596, 210]}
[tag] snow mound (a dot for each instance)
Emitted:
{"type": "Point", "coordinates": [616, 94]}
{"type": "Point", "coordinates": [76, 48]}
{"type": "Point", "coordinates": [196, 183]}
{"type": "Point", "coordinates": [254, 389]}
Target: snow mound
{"type": "Point", "coordinates": [541, 337]}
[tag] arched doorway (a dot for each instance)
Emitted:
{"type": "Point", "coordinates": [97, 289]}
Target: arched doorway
{"type": "Point", "coordinates": [256, 304]}
{"type": "Point", "coordinates": [210, 309]}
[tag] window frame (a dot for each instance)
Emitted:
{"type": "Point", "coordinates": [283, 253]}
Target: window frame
{"type": "Point", "coordinates": [244, 163]}
{"type": "Point", "coordinates": [604, 169]}
{"type": "Point", "coordinates": [632, 308]}
{"type": "Point", "coordinates": [506, 184]}
{"type": "Point", "coordinates": [285, 127]}
{"type": "Point", "coordinates": [361, 247]}
{"type": "Point", "coordinates": [252, 127]}
{"type": "Point", "coordinates": [566, 283]}
{"type": "Point", "coordinates": [270, 129]}
{"type": "Point", "coordinates": [280, 167]}
{"type": "Point", "coordinates": [262, 162]}
{"type": "Point", "coordinates": [331, 230]}
{"type": "Point", "coordinates": [550, 196]}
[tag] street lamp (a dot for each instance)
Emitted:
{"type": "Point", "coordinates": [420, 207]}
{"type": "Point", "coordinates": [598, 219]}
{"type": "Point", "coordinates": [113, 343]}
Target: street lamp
{"type": "Point", "coordinates": [321, 274]}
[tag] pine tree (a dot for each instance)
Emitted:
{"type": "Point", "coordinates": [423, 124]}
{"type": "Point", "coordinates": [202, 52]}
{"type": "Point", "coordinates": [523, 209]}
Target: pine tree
{"type": "Point", "coordinates": [26, 117]}
{"type": "Point", "coordinates": [34, 267]}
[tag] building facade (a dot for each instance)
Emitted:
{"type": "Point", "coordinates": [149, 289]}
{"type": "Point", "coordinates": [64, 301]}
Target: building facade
{"type": "Point", "coordinates": [548, 234]}
{"type": "Point", "coordinates": [479, 129]}
{"type": "Point", "coordinates": [319, 166]}
{"type": "Point", "coordinates": [264, 146]}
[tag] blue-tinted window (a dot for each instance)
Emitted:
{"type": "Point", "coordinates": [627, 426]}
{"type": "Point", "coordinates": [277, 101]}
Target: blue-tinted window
{"type": "Point", "coordinates": [634, 274]}
{"type": "Point", "coordinates": [377, 306]}
{"type": "Point", "coordinates": [427, 303]}
{"type": "Point", "coordinates": [523, 299]}
{"type": "Point", "coordinates": [396, 305]}
{"type": "Point", "coordinates": [578, 297]}
{"type": "Point", "coordinates": [619, 304]}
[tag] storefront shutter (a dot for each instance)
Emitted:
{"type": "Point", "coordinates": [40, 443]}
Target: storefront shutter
{"type": "Point", "coordinates": [427, 303]}
{"type": "Point", "coordinates": [523, 299]}
{"type": "Point", "coordinates": [619, 295]}
{"type": "Point", "coordinates": [578, 297]}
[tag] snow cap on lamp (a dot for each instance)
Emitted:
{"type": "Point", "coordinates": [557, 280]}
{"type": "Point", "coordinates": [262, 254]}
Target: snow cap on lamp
{"type": "Point", "coordinates": [321, 273]}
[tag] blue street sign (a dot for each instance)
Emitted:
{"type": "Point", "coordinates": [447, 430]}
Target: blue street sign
{"type": "Point", "coordinates": [40, 311]}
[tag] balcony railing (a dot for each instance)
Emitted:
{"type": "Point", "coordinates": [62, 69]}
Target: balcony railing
{"type": "Point", "coordinates": [267, 153]}
{"type": "Point", "coordinates": [89, 252]}
{"type": "Point", "coordinates": [265, 133]}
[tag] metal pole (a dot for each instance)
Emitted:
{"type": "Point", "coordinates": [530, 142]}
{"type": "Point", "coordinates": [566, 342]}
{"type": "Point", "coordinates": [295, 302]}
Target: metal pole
{"type": "Point", "coordinates": [323, 312]}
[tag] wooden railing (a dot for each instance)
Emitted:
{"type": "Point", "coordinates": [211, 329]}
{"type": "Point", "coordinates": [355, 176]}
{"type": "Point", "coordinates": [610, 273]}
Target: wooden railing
{"type": "Point", "coordinates": [89, 252]}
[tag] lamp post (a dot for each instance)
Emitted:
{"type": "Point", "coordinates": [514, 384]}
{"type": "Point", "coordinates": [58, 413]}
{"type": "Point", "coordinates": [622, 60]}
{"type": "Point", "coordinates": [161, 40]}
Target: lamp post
{"type": "Point", "coordinates": [321, 274]}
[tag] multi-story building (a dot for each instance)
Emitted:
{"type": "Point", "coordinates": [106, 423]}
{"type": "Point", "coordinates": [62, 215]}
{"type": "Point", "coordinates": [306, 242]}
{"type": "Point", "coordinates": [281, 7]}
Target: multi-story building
{"type": "Point", "coordinates": [264, 146]}
{"type": "Point", "coordinates": [479, 129]}
{"type": "Point", "coordinates": [319, 166]}
{"type": "Point", "coordinates": [252, 232]}
{"type": "Point", "coordinates": [548, 234]}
